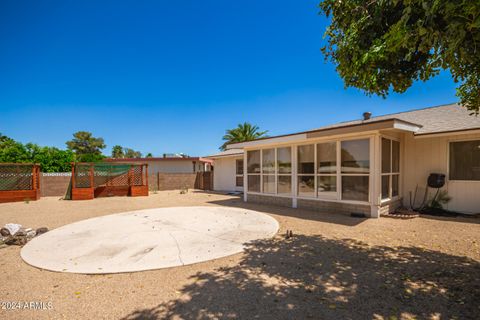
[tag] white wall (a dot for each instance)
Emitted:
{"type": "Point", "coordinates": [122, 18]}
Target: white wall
{"type": "Point", "coordinates": [224, 174]}
{"type": "Point", "coordinates": [423, 156]}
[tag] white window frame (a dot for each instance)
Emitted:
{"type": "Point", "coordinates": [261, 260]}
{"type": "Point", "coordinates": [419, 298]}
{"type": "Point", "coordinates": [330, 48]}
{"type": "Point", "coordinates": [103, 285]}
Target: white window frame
{"type": "Point", "coordinates": [278, 174]}
{"type": "Point", "coordinates": [337, 197]}
{"type": "Point", "coordinates": [274, 174]}
{"type": "Point", "coordinates": [391, 173]}
{"type": "Point", "coordinates": [248, 174]}
{"type": "Point", "coordinates": [314, 144]}
{"type": "Point", "coordinates": [369, 174]}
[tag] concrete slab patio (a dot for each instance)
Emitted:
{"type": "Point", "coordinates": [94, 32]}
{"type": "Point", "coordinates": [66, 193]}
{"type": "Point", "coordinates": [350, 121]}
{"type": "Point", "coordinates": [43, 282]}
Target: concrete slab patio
{"type": "Point", "coordinates": [148, 239]}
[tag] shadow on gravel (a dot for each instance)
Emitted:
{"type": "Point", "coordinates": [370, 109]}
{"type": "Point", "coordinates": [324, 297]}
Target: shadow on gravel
{"type": "Point", "coordinates": [316, 277]}
{"type": "Point", "coordinates": [305, 214]}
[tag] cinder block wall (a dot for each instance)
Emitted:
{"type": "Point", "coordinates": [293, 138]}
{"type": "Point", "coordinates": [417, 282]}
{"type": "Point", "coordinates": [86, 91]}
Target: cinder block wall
{"type": "Point", "coordinates": [175, 181]}
{"type": "Point", "coordinates": [316, 205]}
{"type": "Point", "coordinates": [53, 186]}
{"type": "Point", "coordinates": [334, 207]}
{"type": "Point", "coordinates": [171, 181]}
{"type": "Point", "coordinates": [270, 200]}
{"type": "Point", "coordinates": [390, 207]}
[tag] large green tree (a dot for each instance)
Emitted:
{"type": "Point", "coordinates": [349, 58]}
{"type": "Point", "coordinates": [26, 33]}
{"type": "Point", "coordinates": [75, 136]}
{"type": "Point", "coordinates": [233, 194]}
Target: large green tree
{"type": "Point", "coordinates": [243, 132]}
{"type": "Point", "coordinates": [87, 148]}
{"type": "Point", "coordinates": [51, 159]}
{"type": "Point", "coordinates": [383, 45]}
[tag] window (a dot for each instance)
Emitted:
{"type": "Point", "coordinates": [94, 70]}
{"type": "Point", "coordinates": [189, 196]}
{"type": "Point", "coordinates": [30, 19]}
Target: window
{"type": "Point", "coordinates": [327, 169]}
{"type": "Point", "coordinates": [355, 169]}
{"type": "Point", "coordinates": [464, 161]}
{"type": "Point", "coordinates": [306, 170]}
{"type": "Point", "coordinates": [268, 170]}
{"type": "Point", "coordinates": [239, 173]}
{"type": "Point", "coordinates": [390, 168]}
{"type": "Point", "coordinates": [253, 170]}
{"type": "Point", "coordinates": [284, 171]}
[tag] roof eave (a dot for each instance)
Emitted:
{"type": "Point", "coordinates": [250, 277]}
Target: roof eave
{"type": "Point", "coordinates": [396, 124]}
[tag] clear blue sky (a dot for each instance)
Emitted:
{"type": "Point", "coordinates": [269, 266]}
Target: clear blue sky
{"type": "Point", "coordinates": [171, 76]}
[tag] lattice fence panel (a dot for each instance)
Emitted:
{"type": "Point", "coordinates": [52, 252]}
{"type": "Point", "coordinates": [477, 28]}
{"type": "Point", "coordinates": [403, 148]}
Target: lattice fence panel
{"type": "Point", "coordinates": [111, 175]}
{"type": "Point", "coordinates": [82, 176]}
{"type": "Point", "coordinates": [16, 177]}
{"type": "Point", "coordinates": [138, 175]}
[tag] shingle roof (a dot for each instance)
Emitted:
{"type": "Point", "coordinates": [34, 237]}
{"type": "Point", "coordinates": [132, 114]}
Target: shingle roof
{"type": "Point", "coordinates": [451, 117]}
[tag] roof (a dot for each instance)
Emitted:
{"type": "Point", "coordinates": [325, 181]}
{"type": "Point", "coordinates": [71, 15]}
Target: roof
{"type": "Point", "coordinates": [226, 153]}
{"type": "Point", "coordinates": [431, 120]}
{"type": "Point", "coordinates": [157, 159]}
{"type": "Point", "coordinates": [444, 118]}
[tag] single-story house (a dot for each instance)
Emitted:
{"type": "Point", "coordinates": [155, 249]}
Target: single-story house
{"type": "Point", "coordinates": [370, 166]}
{"type": "Point", "coordinates": [171, 164]}
{"type": "Point", "coordinates": [228, 170]}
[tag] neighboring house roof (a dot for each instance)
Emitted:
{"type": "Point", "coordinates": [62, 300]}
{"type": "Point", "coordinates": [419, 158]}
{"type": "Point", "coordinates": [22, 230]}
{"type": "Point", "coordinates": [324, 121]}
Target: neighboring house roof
{"type": "Point", "coordinates": [200, 159]}
{"type": "Point", "coordinates": [226, 153]}
{"type": "Point", "coordinates": [439, 119]}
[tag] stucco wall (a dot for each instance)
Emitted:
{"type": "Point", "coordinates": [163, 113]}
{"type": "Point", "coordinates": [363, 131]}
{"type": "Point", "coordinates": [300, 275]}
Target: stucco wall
{"type": "Point", "coordinates": [173, 166]}
{"type": "Point", "coordinates": [224, 174]}
{"type": "Point", "coordinates": [423, 156]}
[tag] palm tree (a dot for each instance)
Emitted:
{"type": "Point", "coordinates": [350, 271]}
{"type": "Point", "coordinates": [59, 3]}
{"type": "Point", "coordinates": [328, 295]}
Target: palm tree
{"type": "Point", "coordinates": [244, 132]}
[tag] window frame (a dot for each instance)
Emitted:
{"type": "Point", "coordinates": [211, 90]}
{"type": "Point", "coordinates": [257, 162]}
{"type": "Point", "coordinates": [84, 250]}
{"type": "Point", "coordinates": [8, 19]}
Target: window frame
{"type": "Point", "coordinates": [348, 174]}
{"type": "Point", "coordinates": [334, 197]}
{"type": "Point", "coordinates": [248, 174]}
{"type": "Point", "coordinates": [390, 174]}
{"type": "Point", "coordinates": [313, 174]}
{"type": "Point", "coordinates": [449, 141]}
{"type": "Point", "coordinates": [237, 175]}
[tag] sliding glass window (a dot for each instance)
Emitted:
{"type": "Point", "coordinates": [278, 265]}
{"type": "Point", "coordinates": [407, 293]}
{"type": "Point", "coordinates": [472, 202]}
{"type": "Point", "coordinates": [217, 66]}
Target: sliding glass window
{"type": "Point", "coordinates": [327, 169]}
{"type": "Point", "coordinates": [268, 170]}
{"type": "Point", "coordinates": [355, 169]}
{"type": "Point", "coordinates": [390, 168]}
{"type": "Point", "coordinates": [306, 171]}
{"type": "Point", "coordinates": [284, 171]}
{"type": "Point", "coordinates": [253, 171]}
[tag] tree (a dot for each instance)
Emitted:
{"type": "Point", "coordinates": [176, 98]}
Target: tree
{"type": "Point", "coordinates": [243, 132]}
{"type": "Point", "coordinates": [379, 46]}
{"type": "Point", "coordinates": [51, 159]}
{"type": "Point", "coordinates": [86, 147]}
{"type": "Point", "coordinates": [149, 155]}
{"type": "Point", "coordinates": [13, 151]}
{"type": "Point", "coordinates": [117, 152]}
{"type": "Point", "coordinates": [130, 153]}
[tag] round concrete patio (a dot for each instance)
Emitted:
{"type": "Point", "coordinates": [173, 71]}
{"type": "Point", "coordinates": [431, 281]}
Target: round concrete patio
{"type": "Point", "coordinates": [148, 239]}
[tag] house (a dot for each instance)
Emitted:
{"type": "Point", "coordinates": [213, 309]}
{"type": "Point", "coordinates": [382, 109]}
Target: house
{"type": "Point", "coordinates": [228, 170]}
{"type": "Point", "coordinates": [172, 164]}
{"type": "Point", "coordinates": [370, 166]}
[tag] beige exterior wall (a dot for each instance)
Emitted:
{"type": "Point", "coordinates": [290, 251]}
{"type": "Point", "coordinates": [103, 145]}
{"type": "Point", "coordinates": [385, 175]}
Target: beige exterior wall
{"type": "Point", "coordinates": [422, 156]}
{"type": "Point", "coordinates": [174, 166]}
{"type": "Point", "coordinates": [224, 176]}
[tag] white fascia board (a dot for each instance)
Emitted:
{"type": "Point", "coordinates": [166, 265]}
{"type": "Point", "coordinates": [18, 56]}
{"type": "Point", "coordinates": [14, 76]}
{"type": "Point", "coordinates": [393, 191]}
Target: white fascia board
{"type": "Point", "coordinates": [405, 126]}
{"type": "Point", "coordinates": [267, 141]}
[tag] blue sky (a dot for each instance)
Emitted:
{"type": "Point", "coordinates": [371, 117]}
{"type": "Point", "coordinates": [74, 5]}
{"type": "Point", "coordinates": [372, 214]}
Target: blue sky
{"type": "Point", "coordinates": [171, 76]}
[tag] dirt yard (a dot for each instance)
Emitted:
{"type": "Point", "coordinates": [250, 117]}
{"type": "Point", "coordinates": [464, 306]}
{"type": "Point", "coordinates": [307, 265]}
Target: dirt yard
{"type": "Point", "coordinates": [334, 267]}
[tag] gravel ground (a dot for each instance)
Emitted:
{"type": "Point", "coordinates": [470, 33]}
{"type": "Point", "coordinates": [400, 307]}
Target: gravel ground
{"type": "Point", "coordinates": [334, 267]}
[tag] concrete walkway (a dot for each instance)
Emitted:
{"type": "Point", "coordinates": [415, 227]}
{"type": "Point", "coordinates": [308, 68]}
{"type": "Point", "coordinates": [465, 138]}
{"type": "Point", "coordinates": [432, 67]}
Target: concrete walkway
{"type": "Point", "coordinates": [148, 239]}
